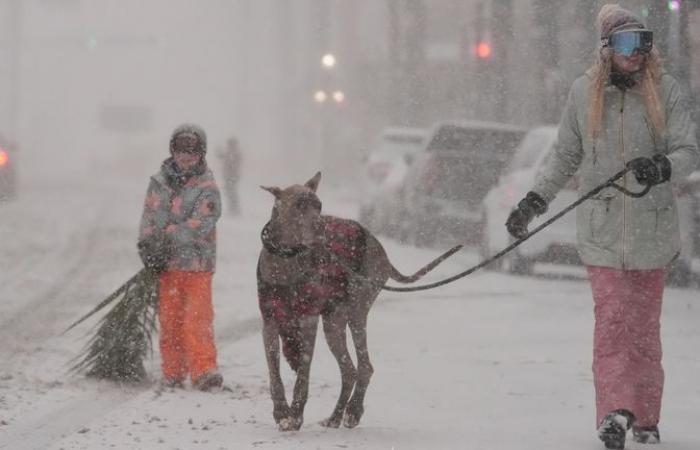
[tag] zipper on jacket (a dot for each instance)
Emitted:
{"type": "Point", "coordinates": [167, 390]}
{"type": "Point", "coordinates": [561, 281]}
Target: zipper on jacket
{"type": "Point", "coordinates": [624, 179]}
{"type": "Point", "coordinates": [651, 132]}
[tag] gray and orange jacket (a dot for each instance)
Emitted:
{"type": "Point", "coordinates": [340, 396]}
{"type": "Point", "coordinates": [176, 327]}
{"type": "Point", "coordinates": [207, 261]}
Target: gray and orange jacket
{"type": "Point", "coordinates": [185, 210]}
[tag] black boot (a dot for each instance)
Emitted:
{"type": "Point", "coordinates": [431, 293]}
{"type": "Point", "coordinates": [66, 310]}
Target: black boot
{"type": "Point", "coordinates": [613, 429]}
{"type": "Point", "coordinates": [646, 435]}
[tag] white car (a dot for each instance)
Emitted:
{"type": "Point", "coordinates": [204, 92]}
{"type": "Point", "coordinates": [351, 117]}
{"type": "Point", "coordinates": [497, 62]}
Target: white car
{"type": "Point", "coordinates": [557, 243]}
{"type": "Point", "coordinates": [385, 167]}
{"type": "Point", "coordinates": [681, 273]}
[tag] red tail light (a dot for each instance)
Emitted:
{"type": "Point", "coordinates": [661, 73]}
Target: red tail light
{"type": "Point", "coordinates": [4, 158]}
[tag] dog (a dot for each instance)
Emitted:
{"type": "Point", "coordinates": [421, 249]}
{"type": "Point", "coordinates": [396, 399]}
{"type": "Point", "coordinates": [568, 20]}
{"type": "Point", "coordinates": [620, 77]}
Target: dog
{"type": "Point", "coordinates": [313, 265]}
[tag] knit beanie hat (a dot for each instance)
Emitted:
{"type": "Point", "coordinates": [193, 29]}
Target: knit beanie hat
{"type": "Point", "coordinates": [613, 17]}
{"type": "Point", "coordinates": [193, 130]}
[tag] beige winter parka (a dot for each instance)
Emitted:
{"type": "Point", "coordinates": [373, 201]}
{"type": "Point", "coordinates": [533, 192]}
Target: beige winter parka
{"type": "Point", "coordinates": [615, 230]}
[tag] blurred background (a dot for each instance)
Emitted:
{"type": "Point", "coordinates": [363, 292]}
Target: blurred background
{"type": "Point", "coordinates": [92, 85]}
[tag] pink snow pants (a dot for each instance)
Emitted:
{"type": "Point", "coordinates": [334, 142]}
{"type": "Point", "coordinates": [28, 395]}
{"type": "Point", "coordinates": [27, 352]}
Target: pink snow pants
{"type": "Point", "coordinates": [627, 370]}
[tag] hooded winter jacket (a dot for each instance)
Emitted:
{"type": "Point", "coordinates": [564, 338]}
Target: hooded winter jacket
{"type": "Point", "coordinates": [615, 230]}
{"type": "Point", "coordinates": [184, 207]}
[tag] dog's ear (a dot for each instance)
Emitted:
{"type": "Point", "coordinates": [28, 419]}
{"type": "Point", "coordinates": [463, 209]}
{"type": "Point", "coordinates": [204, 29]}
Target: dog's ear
{"type": "Point", "coordinates": [313, 182]}
{"type": "Point", "coordinates": [277, 192]}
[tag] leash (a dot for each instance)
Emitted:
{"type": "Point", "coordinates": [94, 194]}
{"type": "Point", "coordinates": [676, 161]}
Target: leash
{"type": "Point", "coordinates": [609, 183]}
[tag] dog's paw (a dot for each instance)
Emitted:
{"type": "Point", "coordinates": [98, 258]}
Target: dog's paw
{"type": "Point", "coordinates": [280, 413]}
{"type": "Point", "coordinates": [331, 422]}
{"type": "Point", "coordinates": [353, 414]}
{"type": "Point", "coordinates": [351, 420]}
{"type": "Point", "coordinates": [290, 423]}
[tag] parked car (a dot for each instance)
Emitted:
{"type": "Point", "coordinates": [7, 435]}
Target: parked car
{"type": "Point", "coordinates": [447, 184]}
{"type": "Point", "coordinates": [688, 199]}
{"type": "Point", "coordinates": [8, 176]}
{"type": "Point", "coordinates": [557, 243]}
{"type": "Point", "coordinates": [385, 167]}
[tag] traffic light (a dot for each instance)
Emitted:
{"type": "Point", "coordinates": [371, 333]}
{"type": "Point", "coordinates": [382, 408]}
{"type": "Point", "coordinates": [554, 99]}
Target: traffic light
{"type": "Point", "coordinates": [483, 50]}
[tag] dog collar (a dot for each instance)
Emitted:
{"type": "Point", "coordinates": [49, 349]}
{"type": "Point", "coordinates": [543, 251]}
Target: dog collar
{"type": "Point", "coordinates": [276, 249]}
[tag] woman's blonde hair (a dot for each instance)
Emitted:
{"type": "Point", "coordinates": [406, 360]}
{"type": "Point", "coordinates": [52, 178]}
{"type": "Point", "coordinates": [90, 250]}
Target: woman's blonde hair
{"type": "Point", "coordinates": [649, 85]}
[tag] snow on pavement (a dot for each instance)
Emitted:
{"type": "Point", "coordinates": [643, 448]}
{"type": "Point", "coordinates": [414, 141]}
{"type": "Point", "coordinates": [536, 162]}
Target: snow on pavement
{"type": "Point", "coordinates": [489, 362]}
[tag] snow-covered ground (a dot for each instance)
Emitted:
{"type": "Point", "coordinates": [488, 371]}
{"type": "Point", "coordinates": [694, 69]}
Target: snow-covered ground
{"type": "Point", "coordinates": [489, 362]}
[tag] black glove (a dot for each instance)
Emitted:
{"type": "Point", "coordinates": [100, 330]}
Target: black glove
{"type": "Point", "coordinates": [651, 171]}
{"type": "Point", "coordinates": [156, 252]}
{"type": "Point", "coordinates": [529, 207]}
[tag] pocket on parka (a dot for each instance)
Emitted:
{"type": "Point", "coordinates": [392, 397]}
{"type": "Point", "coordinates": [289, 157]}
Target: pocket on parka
{"type": "Point", "coordinates": [663, 221]}
{"type": "Point", "coordinates": [596, 217]}
{"type": "Point", "coordinates": [659, 197]}
{"type": "Point", "coordinates": [602, 223]}
{"type": "Point", "coordinates": [652, 226]}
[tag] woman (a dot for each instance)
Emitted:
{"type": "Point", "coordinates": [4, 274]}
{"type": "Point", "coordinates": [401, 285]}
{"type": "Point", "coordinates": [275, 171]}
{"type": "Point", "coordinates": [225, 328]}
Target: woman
{"type": "Point", "coordinates": [178, 240]}
{"type": "Point", "coordinates": [624, 112]}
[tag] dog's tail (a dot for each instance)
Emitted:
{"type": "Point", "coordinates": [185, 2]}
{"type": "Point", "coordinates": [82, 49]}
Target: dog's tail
{"type": "Point", "coordinates": [401, 278]}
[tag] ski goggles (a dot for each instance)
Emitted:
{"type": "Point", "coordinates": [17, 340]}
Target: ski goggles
{"type": "Point", "coordinates": [187, 143]}
{"type": "Point", "coordinates": [626, 42]}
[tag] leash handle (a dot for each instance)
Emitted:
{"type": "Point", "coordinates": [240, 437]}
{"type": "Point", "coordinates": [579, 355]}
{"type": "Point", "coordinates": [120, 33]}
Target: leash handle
{"type": "Point", "coordinates": [609, 183]}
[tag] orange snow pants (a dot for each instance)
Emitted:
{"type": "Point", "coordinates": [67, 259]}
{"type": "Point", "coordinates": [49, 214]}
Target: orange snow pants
{"type": "Point", "coordinates": [186, 325]}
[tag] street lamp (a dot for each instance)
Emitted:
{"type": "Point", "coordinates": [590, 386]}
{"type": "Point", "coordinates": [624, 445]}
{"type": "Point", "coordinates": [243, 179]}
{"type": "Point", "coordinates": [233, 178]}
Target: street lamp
{"type": "Point", "coordinates": [328, 97]}
{"type": "Point", "coordinates": [328, 61]}
{"type": "Point", "coordinates": [339, 96]}
{"type": "Point", "coordinates": [320, 96]}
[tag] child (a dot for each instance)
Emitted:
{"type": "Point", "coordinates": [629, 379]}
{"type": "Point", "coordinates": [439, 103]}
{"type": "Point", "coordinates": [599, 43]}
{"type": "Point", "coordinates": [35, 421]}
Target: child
{"type": "Point", "coordinates": [178, 240]}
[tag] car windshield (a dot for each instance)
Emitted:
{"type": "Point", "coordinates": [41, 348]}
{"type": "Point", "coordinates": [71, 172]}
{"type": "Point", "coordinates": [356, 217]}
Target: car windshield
{"type": "Point", "coordinates": [455, 138]}
{"type": "Point", "coordinates": [529, 150]}
{"type": "Point", "coordinates": [466, 162]}
{"type": "Point", "coordinates": [399, 144]}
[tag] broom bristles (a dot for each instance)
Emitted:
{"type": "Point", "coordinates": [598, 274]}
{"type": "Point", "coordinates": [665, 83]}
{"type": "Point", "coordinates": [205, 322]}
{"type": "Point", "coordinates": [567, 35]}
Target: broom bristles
{"type": "Point", "coordinates": [123, 338]}
{"type": "Point", "coordinates": [106, 301]}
